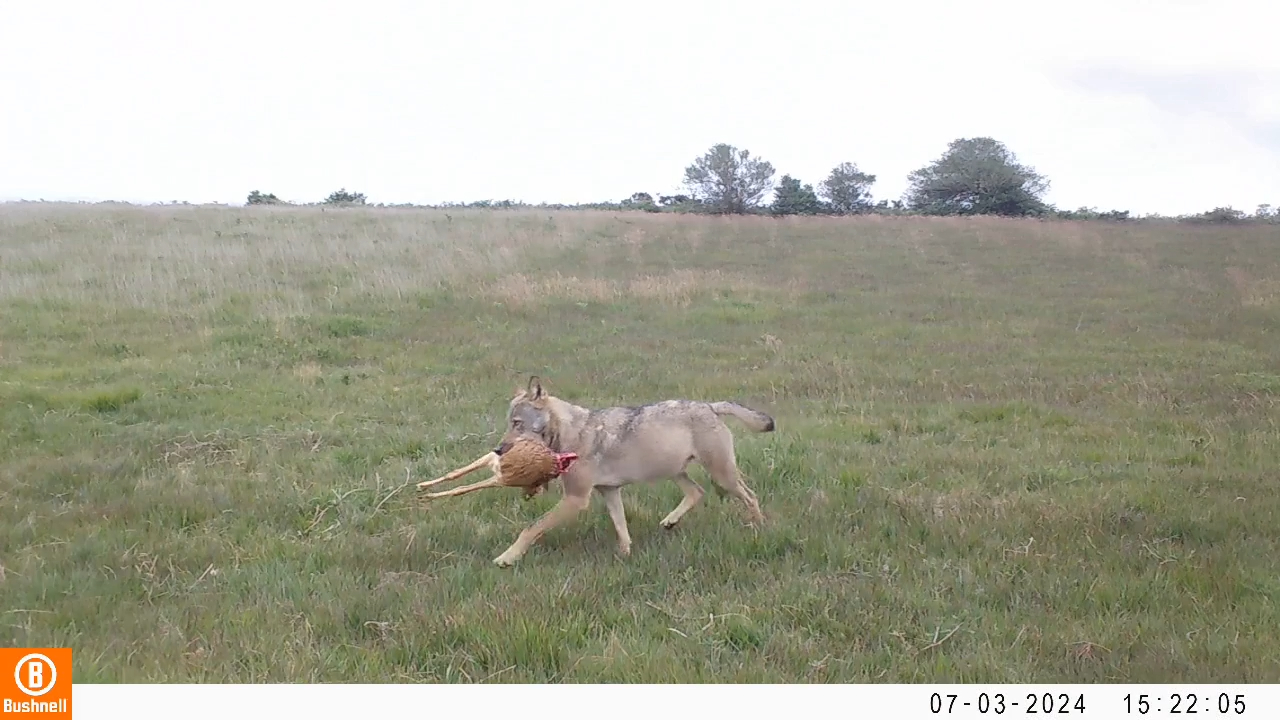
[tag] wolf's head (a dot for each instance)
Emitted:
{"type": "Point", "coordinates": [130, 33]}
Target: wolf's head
{"type": "Point", "coordinates": [529, 416]}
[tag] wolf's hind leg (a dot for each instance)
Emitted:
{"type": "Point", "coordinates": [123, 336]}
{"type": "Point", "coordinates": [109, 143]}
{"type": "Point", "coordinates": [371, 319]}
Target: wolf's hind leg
{"type": "Point", "coordinates": [693, 493]}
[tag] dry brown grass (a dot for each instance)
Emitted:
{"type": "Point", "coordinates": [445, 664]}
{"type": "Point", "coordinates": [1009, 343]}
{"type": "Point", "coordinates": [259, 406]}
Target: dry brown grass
{"type": "Point", "coordinates": [675, 289]}
{"type": "Point", "coordinates": [290, 260]}
{"type": "Point", "coordinates": [1260, 292]}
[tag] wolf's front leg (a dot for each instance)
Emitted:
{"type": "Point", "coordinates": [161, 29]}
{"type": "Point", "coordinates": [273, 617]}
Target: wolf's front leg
{"type": "Point", "coordinates": [567, 509]}
{"type": "Point", "coordinates": [612, 497]}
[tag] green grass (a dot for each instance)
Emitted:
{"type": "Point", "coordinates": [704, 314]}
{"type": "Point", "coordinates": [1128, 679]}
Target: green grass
{"type": "Point", "coordinates": [1007, 451]}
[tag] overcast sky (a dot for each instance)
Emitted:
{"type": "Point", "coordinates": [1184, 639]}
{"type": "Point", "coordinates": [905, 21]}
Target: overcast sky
{"type": "Point", "coordinates": [1164, 106]}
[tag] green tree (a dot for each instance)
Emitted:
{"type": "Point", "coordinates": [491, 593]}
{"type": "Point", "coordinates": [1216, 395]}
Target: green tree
{"type": "Point", "coordinates": [1219, 216]}
{"type": "Point", "coordinates": [679, 204]}
{"type": "Point", "coordinates": [728, 180]}
{"type": "Point", "coordinates": [343, 197]}
{"type": "Point", "coordinates": [792, 198]}
{"type": "Point", "coordinates": [847, 189]}
{"type": "Point", "coordinates": [977, 176]}
{"type": "Point", "coordinates": [641, 201]}
{"type": "Point", "coordinates": [258, 198]}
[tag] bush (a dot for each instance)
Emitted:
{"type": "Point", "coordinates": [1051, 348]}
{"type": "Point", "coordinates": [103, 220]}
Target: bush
{"type": "Point", "coordinates": [258, 198]}
{"type": "Point", "coordinates": [1088, 213]}
{"type": "Point", "coordinates": [343, 197]}
{"type": "Point", "coordinates": [641, 201]}
{"type": "Point", "coordinates": [1218, 216]}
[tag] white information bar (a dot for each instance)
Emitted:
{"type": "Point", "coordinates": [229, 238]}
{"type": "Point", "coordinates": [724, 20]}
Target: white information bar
{"type": "Point", "coordinates": [669, 702]}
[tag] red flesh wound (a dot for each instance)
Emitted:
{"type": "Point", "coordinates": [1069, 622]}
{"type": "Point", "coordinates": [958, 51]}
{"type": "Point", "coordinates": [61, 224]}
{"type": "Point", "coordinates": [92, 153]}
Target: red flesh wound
{"type": "Point", "coordinates": [563, 461]}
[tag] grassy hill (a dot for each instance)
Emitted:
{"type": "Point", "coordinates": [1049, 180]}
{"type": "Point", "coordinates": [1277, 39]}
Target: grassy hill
{"type": "Point", "coordinates": [1006, 450]}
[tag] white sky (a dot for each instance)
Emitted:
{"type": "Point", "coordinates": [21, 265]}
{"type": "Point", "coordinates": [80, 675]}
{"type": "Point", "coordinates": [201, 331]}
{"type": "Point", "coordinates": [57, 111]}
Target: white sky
{"type": "Point", "coordinates": [582, 101]}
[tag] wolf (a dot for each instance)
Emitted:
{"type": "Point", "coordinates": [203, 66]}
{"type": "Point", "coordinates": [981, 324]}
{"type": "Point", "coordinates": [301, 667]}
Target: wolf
{"type": "Point", "coordinates": [618, 446]}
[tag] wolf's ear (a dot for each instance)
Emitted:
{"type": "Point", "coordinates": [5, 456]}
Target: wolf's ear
{"type": "Point", "coordinates": [535, 387]}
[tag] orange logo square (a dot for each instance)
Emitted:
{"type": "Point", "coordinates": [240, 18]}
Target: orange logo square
{"type": "Point", "coordinates": [35, 683]}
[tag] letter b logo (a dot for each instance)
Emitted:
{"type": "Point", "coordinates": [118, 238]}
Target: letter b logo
{"type": "Point", "coordinates": [36, 680]}
{"type": "Point", "coordinates": [35, 674]}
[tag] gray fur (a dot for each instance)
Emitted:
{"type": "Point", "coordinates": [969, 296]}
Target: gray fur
{"type": "Point", "coordinates": [619, 446]}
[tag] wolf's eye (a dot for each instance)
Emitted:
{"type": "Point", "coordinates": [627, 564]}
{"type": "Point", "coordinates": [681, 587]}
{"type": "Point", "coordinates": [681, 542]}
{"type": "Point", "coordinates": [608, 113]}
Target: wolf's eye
{"type": "Point", "coordinates": [516, 423]}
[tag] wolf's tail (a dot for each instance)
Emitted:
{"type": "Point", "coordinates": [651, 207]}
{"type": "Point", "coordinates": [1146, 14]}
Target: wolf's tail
{"type": "Point", "coordinates": [755, 420]}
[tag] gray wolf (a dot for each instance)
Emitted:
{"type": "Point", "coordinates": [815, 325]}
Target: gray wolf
{"type": "Point", "coordinates": [619, 446]}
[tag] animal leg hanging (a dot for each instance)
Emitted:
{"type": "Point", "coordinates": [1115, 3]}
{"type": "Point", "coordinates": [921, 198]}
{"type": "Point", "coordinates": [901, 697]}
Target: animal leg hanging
{"type": "Point", "coordinates": [489, 460]}
{"type": "Point", "coordinates": [526, 464]}
{"type": "Point", "coordinates": [494, 481]}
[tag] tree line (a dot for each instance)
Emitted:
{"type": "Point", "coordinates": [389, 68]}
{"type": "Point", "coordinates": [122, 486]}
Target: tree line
{"type": "Point", "coordinates": [974, 176]}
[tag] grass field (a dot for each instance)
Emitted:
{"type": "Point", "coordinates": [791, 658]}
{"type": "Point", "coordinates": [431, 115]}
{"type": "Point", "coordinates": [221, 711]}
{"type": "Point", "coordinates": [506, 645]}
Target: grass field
{"type": "Point", "coordinates": [1006, 450]}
